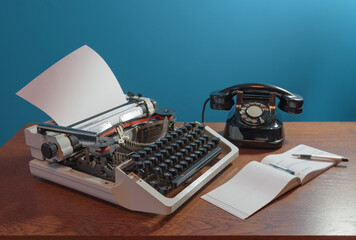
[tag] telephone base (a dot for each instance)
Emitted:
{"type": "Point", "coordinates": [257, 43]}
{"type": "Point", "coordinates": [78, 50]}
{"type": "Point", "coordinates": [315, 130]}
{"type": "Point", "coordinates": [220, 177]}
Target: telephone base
{"type": "Point", "coordinates": [269, 136]}
{"type": "Point", "coordinates": [256, 144]}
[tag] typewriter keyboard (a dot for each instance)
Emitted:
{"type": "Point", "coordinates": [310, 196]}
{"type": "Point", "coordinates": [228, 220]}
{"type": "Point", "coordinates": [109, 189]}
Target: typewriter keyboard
{"type": "Point", "coordinates": [169, 162]}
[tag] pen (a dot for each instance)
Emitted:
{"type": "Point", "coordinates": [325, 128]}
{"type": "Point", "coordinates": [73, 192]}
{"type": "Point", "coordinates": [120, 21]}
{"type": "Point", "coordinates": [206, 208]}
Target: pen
{"type": "Point", "coordinates": [316, 157]}
{"type": "Point", "coordinates": [282, 168]}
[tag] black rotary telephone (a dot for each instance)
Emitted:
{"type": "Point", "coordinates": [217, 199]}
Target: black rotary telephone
{"type": "Point", "coordinates": [254, 122]}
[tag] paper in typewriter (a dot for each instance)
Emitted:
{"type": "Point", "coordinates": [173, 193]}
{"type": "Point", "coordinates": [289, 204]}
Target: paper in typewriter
{"type": "Point", "coordinates": [75, 88]}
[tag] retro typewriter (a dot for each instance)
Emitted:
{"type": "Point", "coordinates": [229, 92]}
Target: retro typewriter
{"type": "Point", "coordinates": [133, 155]}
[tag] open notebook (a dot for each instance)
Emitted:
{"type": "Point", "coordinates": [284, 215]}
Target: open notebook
{"type": "Point", "coordinates": [258, 183]}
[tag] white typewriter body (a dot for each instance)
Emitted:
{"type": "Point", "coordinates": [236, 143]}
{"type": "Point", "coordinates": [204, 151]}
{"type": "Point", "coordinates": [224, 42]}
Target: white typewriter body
{"type": "Point", "coordinates": [117, 147]}
{"type": "Point", "coordinates": [128, 190]}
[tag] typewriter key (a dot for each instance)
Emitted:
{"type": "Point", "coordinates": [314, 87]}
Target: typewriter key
{"type": "Point", "coordinates": [174, 159]}
{"type": "Point", "coordinates": [184, 163]}
{"type": "Point", "coordinates": [173, 171]}
{"type": "Point", "coordinates": [154, 183]}
{"type": "Point", "coordinates": [154, 160]}
{"type": "Point", "coordinates": [216, 140]}
{"type": "Point", "coordinates": [157, 171]}
{"type": "Point", "coordinates": [169, 162]}
{"type": "Point", "coordinates": [135, 157]}
{"type": "Point", "coordinates": [163, 190]}
{"type": "Point", "coordinates": [189, 160]}
{"type": "Point", "coordinates": [168, 176]}
{"type": "Point", "coordinates": [163, 166]}
{"type": "Point", "coordinates": [170, 150]}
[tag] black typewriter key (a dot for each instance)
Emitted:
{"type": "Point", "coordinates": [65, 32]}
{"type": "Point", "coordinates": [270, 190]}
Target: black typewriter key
{"type": "Point", "coordinates": [154, 183]}
{"type": "Point", "coordinates": [175, 146]}
{"type": "Point", "coordinates": [154, 147]}
{"type": "Point", "coordinates": [148, 165]}
{"type": "Point", "coordinates": [164, 153]}
{"type": "Point", "coordinates": [189, 148]}
{"type": "Point", "coordinates": [154, 160]}
{"type": "Point", "coordinates": [170, 150]}
{"type": "Point", "coordinates": [148, 151]}
{"type": "Point", "coordinates": [164, 141]}
{"type": "Point", "coordinates": [203, 150]}
{"type": "Point", "coordinates": [168, 176]}
{"type": "Point", "coordinates": [159, 144]}
{"type": "Point", "coordinates": [159, 156]}
{"type": "Point", "coordinates": [135, 157]}
{"type": "Point", "coordinates": [174, 136]}
{"type": "Point", "coordinates": [184, 129]}
{"type": "Point", "coordinates": [198, 131]}
{"type": "Point", "coordinates": [180, 143]}
{"type": "Point", "coordinates": [179, 155]}
{"type": "Point", "coordinates": [142, 154]}
{"type": "Point", "coordinates": [212, 145]}
{"type": "Point", "coordinates": [203, 140]}
{"type": "Point", "coordinates": [193, 124]}
{"type": "Point", "coordinates": [190, 137]}
{"type": "Point", "coordinates": [194, 156]}
{"type": "Point", "coordinates": [194, 134]}
{"type": "Point", "coordinates": [163, 190]}
{"type": "Point", "coordinates": [189, 127]}
{"type": "Point", "coordinates": [198, 153]}
{"type": "Point", "coordinates": [207, 137]}
{"type": "Point", "coordinates": [216, 140]}
{"type": "Point", "coordinates": [174, 159]}
{"type": "Point", "coordinates": [173, 171]}
{"type": "Point", "coordinates": [179, 132]}
{"type": "Point", "coordinates": [157, 171]}
{"type": "Point", "coordinates": [163, 166]}
{"type": "Point", "coordinates": [201, 127]}
{"type": "Point", "coordinates": [207, 146]}
{"type": "Point", "coordinates": [184, 152]}
{"type": "Point", "coordinates": [184, 163]}
{"type": "Point", "coordinates": [198, 142]}
{"type": "Point", "coordinates": [169, 162]}
{"type": "Point", "coordinates": [189, 160]}
{"type": "Point", "coordinates": [185, 140]}
{"type": "Point", "coordinates": [194, 146]}
{"type": "Point", "coordinates": [179, 167]}
{"type": "Point", "coordinates": [169, 138]}
{"type": "Point", "coordinates": [139, 165]}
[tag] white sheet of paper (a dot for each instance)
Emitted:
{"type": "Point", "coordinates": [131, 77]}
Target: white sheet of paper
{"type": "Point", "coordinates": [246, 193]}
{"type": "Point", "coordinates": [77, 87]}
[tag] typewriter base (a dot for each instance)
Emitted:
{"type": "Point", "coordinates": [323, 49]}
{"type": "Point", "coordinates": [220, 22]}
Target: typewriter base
{"type": "Point", "coordinates": [130, 191]}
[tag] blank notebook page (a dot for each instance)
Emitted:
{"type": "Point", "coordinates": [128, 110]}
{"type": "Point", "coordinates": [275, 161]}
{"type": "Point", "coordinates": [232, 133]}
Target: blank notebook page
{"type": "Point", "coordinates": [249, 190]}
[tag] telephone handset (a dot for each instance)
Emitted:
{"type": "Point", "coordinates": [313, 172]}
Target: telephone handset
{"type": "Point", "coordinates": [254, 122]}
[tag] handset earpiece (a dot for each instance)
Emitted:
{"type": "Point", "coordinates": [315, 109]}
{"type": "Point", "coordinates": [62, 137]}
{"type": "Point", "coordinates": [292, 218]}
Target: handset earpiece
{"type": "Point", "coordinates": [291, 103]}
{"type": "Point", "coordinates": [220, 100]}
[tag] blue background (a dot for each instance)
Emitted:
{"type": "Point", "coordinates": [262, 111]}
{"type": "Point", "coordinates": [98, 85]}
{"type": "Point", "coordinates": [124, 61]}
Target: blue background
{"type": "Point", "coordinates": [177, 52]}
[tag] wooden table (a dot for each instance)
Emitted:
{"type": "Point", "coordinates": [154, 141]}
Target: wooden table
{"type": "Point", "coordinates": [326, 206]}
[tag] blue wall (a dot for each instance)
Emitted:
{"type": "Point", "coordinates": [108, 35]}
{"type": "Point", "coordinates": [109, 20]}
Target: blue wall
{"type": "Point", "coordinates": [177, 52]}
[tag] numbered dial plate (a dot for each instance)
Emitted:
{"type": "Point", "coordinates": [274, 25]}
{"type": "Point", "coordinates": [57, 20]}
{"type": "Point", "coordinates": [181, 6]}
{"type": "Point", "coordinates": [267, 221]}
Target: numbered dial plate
{"type": "Point", "coordinates": [255, 113]}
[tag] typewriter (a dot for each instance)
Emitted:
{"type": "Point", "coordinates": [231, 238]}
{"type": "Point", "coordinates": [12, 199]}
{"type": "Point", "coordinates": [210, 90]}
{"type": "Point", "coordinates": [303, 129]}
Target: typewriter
{"type": "Point", "coordinates": [134, 155]}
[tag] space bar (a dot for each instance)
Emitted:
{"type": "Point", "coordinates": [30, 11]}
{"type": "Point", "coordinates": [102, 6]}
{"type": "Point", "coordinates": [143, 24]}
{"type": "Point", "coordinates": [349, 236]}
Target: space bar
{"type": "Point", "coordinates": [195, 168]}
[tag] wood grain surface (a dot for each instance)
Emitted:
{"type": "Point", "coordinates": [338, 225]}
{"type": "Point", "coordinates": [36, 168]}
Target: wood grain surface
{"type": "Point", "coordinates": [33, 208]}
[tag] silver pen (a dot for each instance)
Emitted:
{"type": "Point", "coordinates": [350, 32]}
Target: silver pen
{"type": "Point", "coordinates": [282, 168]}
{"type": "Point", "coordinates": [319, 157]}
